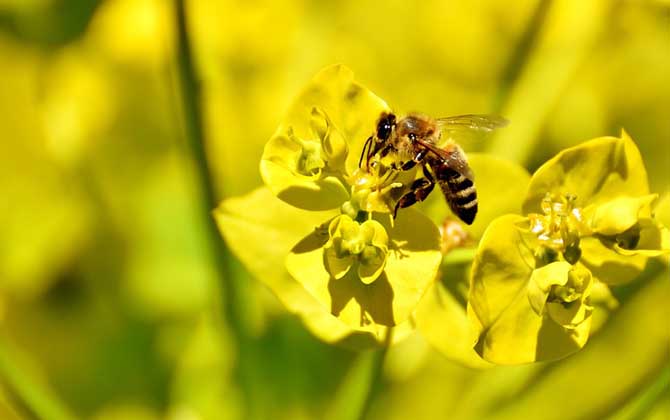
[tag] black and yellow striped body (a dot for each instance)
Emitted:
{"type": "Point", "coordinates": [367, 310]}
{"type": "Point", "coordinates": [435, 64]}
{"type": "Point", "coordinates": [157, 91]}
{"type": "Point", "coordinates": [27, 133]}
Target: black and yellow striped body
{"type": "Point", "coordinates": [458, 188]}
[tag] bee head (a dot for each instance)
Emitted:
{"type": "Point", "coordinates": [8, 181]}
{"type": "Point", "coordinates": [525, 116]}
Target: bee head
{"type": "Point", "coordinates": [417, 126]}
{"type": "Point", "coordinates": [385, 126]}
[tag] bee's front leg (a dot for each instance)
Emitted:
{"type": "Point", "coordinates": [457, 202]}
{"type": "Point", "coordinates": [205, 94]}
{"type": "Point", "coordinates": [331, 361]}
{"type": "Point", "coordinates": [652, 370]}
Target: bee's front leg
{"type": "Point", "coordinates": [365, 153]}
{"type": "Point", "coordinates": [406, 166]}
{"type": "Point", "coordinates": [383, 150]}
{"type": "Point", "coordinates": [419, 190]}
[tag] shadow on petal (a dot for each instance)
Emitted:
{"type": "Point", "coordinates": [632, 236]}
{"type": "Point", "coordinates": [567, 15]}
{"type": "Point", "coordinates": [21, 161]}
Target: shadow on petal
{"type": "Point", "coordinates": [375, 300]}
{"type": "Point", "coordinates": [607, 265]}
{"type": "Point", "coordinates": [311, 242]}
{"type": "Point", "coordinates": [413, 232]}
{"type": "Point", "coordinates": [556, 342]}
{"type": "Point", "coordinates": [323, 194]}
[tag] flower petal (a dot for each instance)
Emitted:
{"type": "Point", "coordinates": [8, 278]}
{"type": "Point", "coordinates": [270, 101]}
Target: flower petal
{"type": "Point", "coordinates": [541, 281]}
{"type": "Point", "coordinates": [621, 213]}
{"type": "Point", "coordinates": [442, 319]}
{"type": "Point", "coordinates": [370, 271]}
{"type": "Point", "coordinates": [306, 192]}
{"type": "Point", "coordinates": [594, 171]}
{"type": "Point", "coordinates": [260, 230]}
{"type": "Point", "coordinates": [651, 240]}
{"type": "Point", "coordinates": [338, 115]}
{"type": "Point", "coordinates": [338, 267]}
{"type": "Point", "coordinates": [606, 264]}
{"type": "Point", "coordinates": [411, 265]}
{"type": "Point", "coordinates": [509, 327]}
{"type": "Point", "coordinates": [333, 143]}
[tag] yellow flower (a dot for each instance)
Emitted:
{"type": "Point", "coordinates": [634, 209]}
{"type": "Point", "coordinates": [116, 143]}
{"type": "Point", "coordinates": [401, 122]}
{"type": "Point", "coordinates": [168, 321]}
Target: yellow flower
{"type": "Point", "coordinates": [589, 223]}
{"type": "Point", "coordinates": [362, 268]}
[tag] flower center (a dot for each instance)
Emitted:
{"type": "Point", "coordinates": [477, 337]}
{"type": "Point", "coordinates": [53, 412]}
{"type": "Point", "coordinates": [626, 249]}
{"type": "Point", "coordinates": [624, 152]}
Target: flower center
{"type": "Point", "coordinates": [350, 242]}
{"type": "Point", "coordinates": [558, 228]}
{"type": "Point", "coordinates": [310, 162]}
{"type": "Point", "coordinates": [376, 190]}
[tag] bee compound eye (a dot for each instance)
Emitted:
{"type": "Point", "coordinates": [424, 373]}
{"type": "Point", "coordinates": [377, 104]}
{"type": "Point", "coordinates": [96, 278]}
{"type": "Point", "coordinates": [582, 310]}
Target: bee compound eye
{"type": "Point", "coordinates": [411, 136]}
{"type": "Point", "coordinates": [384, 130]}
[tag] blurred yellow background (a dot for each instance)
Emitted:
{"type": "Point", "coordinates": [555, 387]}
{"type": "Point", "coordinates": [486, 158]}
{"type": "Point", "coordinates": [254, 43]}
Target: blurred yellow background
{"type": "Point", "coordinates": [109, 299]}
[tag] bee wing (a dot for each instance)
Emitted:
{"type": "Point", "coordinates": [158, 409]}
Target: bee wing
{"type": "Point", "coordinates": [470, 130]}
{"type": "Point", "coordinates": [456, 159]}
{"type": "Point", "coordinates": [453, 156]}
{"type": "Point", "coordinates": [477, 122]}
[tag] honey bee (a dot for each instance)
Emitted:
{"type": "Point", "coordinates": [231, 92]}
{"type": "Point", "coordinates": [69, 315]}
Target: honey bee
{"type": "Point", "coordinates": [415, 139]}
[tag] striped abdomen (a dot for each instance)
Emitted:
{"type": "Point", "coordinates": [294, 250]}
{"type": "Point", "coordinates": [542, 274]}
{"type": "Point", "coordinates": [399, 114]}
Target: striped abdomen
{"type": "Point", "coordinates": [459, 191]}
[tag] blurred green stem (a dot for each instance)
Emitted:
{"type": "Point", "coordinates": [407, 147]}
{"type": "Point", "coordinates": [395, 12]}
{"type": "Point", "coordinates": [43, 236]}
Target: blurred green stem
{"type": "Point", "coordinates": [520, 53]}
{"type": "Point", "coordinates": [22, 385]}
{"type": "Point", "coordinates": [459, 256]}
{"type": "Point", "coordinates": [658, 390]}
{"type": "Point", "coordinates": [234, 290]}
{"type": "Point", "coordinates": [644, 403]}
{"type": "Point", "coordinates": [359, 386]}
{"type": "Point", "coordinates": [539, 74]}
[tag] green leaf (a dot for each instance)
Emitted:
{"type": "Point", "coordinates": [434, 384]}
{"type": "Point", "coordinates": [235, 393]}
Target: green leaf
{"type": "Point", "coordinates": [503, 301]}
{"type": "Point", "coordinates": [326, 128]}
{"type": "Point", "coordinates": [595, 172]}
{"type": "Point", "coordinates": [493, 176]}
{"type": "Point", "coordinates": [411, 265]}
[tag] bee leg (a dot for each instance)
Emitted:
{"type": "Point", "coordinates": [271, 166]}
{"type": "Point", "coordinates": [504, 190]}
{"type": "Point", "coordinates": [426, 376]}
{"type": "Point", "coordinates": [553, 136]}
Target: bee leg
{"type": "Point", "coordinates": [406, 166]}
{"type": "Point", "coordinates": [382, 150]}
{"type": "Point", "coordinates": [418, 192]}
{"type": "Point", "coordinates": [386, 150]}
{"type": "Point", "coordinates": [366, 151]}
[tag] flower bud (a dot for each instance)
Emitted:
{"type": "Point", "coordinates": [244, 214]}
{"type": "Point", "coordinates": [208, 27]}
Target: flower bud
{"type": "Point", "coordinates": [350, 242]}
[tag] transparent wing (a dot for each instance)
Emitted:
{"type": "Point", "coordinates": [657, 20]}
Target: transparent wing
{"type": "Point", "coordinates": [471, 130]}
{"type": "Point", "coordinates": [477, 122]}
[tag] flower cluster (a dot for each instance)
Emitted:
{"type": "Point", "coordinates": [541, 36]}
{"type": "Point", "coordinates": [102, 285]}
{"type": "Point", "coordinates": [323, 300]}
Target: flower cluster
{"type": "Point", "coordinates": [543, 254]}
{"type": "Point", "coordinates": [362, 266]}
{"type": "Point", "coordinates": [588, 223]}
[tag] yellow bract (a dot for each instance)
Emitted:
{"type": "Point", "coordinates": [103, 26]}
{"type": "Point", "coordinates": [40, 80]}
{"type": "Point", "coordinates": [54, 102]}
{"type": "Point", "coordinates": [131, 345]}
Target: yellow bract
{"type": "Point", "coordinates": [513, 304]}
{"type": "Point", "coordinates": [357, 273]}
{"type": "Point", "coordinates": [320, 140]}
{"type": "Point", "coordinates": [589, 223]}
{"type": "Point", "coordinates": [369, 295]}
{"type": "Point", "coordinates": [594, 172]}
{"type": "Point", "coordinates": [349, 243]}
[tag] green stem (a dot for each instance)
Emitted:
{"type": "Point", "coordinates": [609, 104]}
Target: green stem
{"type": "Point", "coordinates": [658, 390]}
{"type": "Point", "coordinates": [234, 290]}
{"type": "Point", "coordinates": [460, 256]}
{"type": "Point", "coordinates": [520, 54]}
{"type": "Point", "coordinates": [34, 396]}
{"type": "Point", "coordinates": [356, 392]}
{"type": "Point", "coordinates": [535, 81]}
